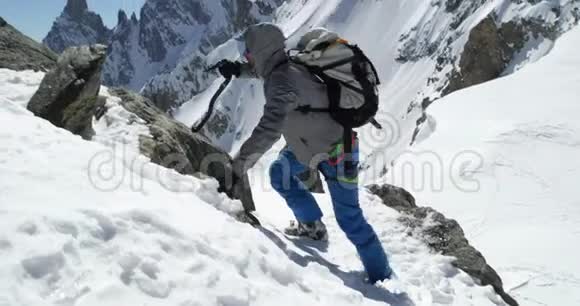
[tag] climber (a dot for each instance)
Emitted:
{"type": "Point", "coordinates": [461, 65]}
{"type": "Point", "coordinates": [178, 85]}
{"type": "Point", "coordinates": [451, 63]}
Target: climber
{"type": "Point", "coordinates": [313, 141]}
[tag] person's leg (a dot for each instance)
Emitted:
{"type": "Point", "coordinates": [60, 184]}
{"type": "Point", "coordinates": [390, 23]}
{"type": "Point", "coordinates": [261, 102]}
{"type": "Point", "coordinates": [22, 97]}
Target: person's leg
{"type": "Point", "coordinates": [283, 178]}
{"type": "Point", "coordinates": [344, 193]}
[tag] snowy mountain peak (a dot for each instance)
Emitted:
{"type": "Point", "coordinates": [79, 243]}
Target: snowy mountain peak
{"type": "Point", "coordinates": [76, 8]}
{"type": "Point", "coordinates": [76, 26]}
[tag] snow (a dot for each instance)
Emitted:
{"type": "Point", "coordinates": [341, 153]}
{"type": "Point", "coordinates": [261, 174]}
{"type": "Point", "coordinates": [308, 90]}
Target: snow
{"type": "Point", "coordinates": [118, 125]}
{"type": "Point", "coordinates": [19, 87]}
{"type": "Point", "coordinates": [506, 153]}
{"type": "Point", "coordinates": [94, 223]}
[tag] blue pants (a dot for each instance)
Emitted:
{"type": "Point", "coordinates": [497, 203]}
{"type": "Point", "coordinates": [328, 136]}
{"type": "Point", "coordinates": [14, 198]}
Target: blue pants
{"type": "Point", "coordinates": [345, 202]}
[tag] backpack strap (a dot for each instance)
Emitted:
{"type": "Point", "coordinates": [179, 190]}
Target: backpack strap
{"type": "Point", "coordinates": [376, 124]}
{"type": "Point", "coordinates": [348, 162]}
{"type": "Point", "coordinates": [305, 109]}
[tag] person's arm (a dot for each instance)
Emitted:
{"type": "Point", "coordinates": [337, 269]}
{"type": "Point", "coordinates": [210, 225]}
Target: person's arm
{"type": "Point", "coordinates": [279, 98]}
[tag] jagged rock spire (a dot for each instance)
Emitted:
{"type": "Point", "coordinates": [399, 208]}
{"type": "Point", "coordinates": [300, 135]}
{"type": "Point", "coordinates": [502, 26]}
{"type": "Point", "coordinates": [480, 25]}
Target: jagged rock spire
{"type": "Point", "coordinates": [77, 26]}
{"type": "Point", "coordinates": [76, 8]}
{"type": "Point", "coordinates": [122, 17]}
{"type": "Point", "coordinates": [134, 18]}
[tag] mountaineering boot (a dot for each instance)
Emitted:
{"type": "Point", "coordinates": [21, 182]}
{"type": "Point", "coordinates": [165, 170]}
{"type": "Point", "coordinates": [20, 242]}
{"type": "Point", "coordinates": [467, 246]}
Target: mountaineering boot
{"type": "Point", "coordinates": [314, 230]}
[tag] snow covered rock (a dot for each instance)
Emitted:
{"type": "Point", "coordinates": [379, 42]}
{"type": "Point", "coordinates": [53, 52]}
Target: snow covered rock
{"type": "Point", "coordinates": [491, 48]}
{"type": "Point", "coordinates": [173, 145]}
{"type": "Point", "coordinates": [77, 26]}
{"type": "Point", "coordinates": [443, 235]}
{"type": "Point", "coordinates": [479, 41]}
{"type": "Point", "coordinates": [67, 96]}
{"type": "Point", "coordinates": [19, 52]}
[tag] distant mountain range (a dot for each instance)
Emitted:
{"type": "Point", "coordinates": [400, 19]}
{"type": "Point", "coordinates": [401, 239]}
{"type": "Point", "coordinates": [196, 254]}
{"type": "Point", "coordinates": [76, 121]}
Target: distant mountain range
{"type": "Point", "coordinates": [161, 52]}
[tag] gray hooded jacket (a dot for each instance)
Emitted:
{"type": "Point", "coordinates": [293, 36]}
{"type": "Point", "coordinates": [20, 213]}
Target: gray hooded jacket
{"type": "Point", "coordinates": [309, 136]}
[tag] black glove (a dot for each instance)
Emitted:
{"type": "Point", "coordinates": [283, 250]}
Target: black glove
{"type": "Point", "coordinates": [228, 68]}
{"type": "Point", "coordinates": [232, 188]}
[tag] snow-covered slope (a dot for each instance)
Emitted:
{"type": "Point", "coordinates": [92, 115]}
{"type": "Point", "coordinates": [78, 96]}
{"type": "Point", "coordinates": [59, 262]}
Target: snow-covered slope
{"type": "Point", "coordinates": [76, 26]}
{"type": "Point", "coordinates": [502, 158]}
{"type": "Point", "coordinates": [84, 223]}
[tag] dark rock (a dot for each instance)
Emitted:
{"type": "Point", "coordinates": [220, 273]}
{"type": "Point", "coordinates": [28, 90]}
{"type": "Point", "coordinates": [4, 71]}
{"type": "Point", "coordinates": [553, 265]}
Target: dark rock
{"type": "Point", "coordinates": [174, 146]}
{"type": "Point", "coordinates": [67, 96]}
{"type": "Point", "coordinates": [122, 18]}
{"type": "Point", "coordinates": [134, 19]}
{"type": "Point", "coordinates": [394, 197]}
{"type": "Point", "coordinates": [443, 235]}
{"type": "Point", "coordinates": [452, 5]}
{"type": "Point", "coordinates": [19, 52]}
{"type": "Point", "coordinates": [514, 36]}
{"type": "Point", "coordinates": [164, 98]}
{"type": "Point", "coordinates": [76, 8]}
{"type": "Point", "coordinates": [491, 48]}
{"type": "Point", "coordinates": [482, 59]}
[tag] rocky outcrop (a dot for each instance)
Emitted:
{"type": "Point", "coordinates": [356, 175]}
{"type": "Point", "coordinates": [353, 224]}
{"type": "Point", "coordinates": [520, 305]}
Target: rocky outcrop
{"type": "Point", "coordinates": [173, 145]}
{"type": "Point", "coordinates": [491, 47]}
{"type": "Point", "coordinates": [69, 98]}
{"type": "Point", "coordinates": [466, 50]}
{"type": "Point", "coordinates": [484, 57]}
{"type": "Point", "coordinates": [443, 235]}
{"type": "Point", "coordinates": [77, 26]}
{"type": "Point", "coordinates": [67, 95]}
{"type": "Point", "coordinates": [19, 52]}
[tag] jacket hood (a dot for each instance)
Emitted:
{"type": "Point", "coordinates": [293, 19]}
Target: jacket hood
{"type": "Point", "coordinates": [266, 43]}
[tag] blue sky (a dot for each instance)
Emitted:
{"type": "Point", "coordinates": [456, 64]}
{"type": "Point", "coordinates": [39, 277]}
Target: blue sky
{"type": "Point", "coordinates": [34, 17]}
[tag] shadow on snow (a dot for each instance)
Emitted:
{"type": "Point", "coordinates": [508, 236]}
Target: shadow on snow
{"type": "Point", "coordinates": [351, 279]}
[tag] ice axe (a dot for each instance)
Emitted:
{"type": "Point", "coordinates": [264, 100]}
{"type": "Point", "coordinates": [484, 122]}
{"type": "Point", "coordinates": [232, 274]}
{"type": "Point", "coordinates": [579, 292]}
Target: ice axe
{"type": "Point", "coordinates": [245, 216]}
{"type": "Point", "coordinates": [196, 128]}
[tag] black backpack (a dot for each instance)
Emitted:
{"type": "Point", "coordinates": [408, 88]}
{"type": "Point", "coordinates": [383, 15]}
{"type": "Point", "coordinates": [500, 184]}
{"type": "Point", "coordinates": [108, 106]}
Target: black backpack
{"type": "Point", "coordinates": [350, 77]}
